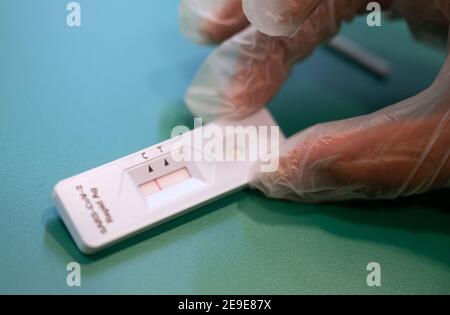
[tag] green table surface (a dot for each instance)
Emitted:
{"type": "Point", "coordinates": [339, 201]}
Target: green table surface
{"type": "Point", "coordinates": [75, 98]}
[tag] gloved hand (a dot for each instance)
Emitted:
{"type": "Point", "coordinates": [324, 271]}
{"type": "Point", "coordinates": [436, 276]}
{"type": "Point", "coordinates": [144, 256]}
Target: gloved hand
{"type": "Point", "coordinates": [403, 149]}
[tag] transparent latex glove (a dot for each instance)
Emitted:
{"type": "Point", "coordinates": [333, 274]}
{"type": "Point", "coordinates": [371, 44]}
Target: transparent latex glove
{"type": "Point", "coordinates": [246, 70]}
{"type": "Point", "coordinates": [210, 21]}
{"type": "Point", "coordinates": [401, 150]}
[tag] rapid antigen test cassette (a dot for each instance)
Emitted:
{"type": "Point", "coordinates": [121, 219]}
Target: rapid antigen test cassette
{"type": "Point", "coordinates": [120, 199]}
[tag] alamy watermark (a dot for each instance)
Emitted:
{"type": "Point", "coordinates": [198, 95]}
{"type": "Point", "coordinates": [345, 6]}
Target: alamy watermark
{"type": "Point", "coordinates": [374, 277]}
{"type": "Point", "coordinates": [73, 278]}
{"type": "Point", "coordinates": [73, 19]}
{"type": "Point", "coordinates": [374, 17]}
{"type": "Point", "coordinates": [232, 143]}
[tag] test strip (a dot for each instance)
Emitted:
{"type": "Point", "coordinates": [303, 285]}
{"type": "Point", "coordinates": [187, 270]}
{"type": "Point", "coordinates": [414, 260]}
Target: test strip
{"type": "Point", "coordinates": [112, 202]}
{"type": "Point", "coordinates": [173, 178]}
{"type": "Point", "coordinates": [164, 182]}
{"type": "Point", "coordinates": [149, 188]}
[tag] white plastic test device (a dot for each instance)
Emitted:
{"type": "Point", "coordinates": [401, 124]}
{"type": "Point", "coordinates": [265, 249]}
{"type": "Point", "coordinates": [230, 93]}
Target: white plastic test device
{"type": "Point", "coordinates": [122, 198]}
